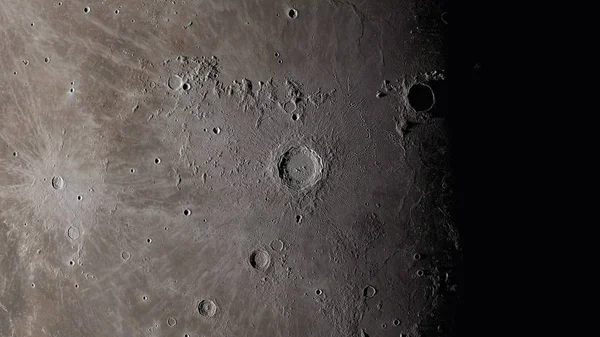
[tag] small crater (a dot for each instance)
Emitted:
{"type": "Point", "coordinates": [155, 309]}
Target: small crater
{"type": "Point", "coordinates": [289, 106]}
{"type": "Point", "coordinates": [369, 291]}
{"type": "Point", "coordinates": [73, 233]}
{"type": "Point", "coordinates": [421, 97]}
{"type": "Point", "coordinates": [76, 286]}
{"type": "Point", "coordinates": [186, 86]}
{"type": "Point", "coordinates": [86, 10]}
{"type": "Point", "coordinates": [207, 308]}
{"type": "Point", "coordinates": [277, 245]}
{"type": "Point", "coordinates": [149, 240]}
{"type": "Point", "coordinates": [58, 183]}
{"type": "Point", "coordinates": [293, 13]}
{"type": "Point", "coordinates": [300, 168]}
{"type": "Point", "coordinates": [420, 273]}
{"type": "Point", "coordinates": [171, 321]}
{"type": "Point", "coordinates": [79, 197]}
{"type": "Point", "coordinates": [71, 263]}
{"type": "Point", "coordinates": [298, 218]}
{"type": "Point", "coordinates": [417, 256]}
{"type": "Point", "coordinates": [46, 59]}
{"type": "Point", "coordinates": [295, 117]}
{"type": "Point", "coordinates": [117, 11]}
{"type": "Point", "coordinates": [260, 260]}
{"type": "Point", "coordinates": [187, 212]}
{"type": "Point", "coordinates": [277, 54]}
{"type": "Point", "coordinates": [319, 292]}
{"type": "Point", "coordinates": [126, 255]}
{"type": "Point", "coordinates": [132, 170]}
{"type": "Point", "coordinates": [15, 154]}
{"type": "Point", "coordinates": [396, 322]}
{"type": "Point", "coordinates": [145, 298]}
{"type": "Point", "coordinates": [72, 90]}
{"type": "Point", "coordinates": [216, 130]}
{"type": "Point", "coordinates": [157, 161]}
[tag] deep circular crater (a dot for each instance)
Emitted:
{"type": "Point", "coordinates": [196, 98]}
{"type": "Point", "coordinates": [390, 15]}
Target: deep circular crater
{"type": "Point", "coordinates": [58, 183]}
{"type": "Point", "coordinates": [300, 168]}
{"type": "Point", "coordinates": [420, 97]}
{"type": "Point", "coordinates": [260, 260]}
{"type": "Point", "coordinates": [207, 308]}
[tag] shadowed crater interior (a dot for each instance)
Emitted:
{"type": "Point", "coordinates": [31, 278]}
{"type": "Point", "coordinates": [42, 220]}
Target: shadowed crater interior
{"type": "Point", "coordinates": [420, 97]}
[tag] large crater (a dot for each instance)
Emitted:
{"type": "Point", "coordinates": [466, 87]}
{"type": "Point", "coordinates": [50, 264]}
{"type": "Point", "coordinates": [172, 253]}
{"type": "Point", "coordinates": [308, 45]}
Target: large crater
{"type": "Point", "coordinates": [299, 168]}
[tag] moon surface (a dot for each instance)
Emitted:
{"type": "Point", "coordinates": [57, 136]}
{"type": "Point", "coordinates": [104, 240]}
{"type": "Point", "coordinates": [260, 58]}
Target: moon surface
{"type": "Point", "coordinates": [225, 168]}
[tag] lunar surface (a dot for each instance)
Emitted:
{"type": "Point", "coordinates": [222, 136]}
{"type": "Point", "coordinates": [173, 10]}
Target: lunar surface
{"type": "Point", "coordinates": [225, 169]}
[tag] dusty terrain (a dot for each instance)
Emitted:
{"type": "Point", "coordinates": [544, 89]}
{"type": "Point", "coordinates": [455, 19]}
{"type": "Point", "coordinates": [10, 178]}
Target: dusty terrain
{"type": "Point", "coordinates": [224, 169]}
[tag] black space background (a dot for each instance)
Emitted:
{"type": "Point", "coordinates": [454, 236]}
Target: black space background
{"type": "Point", "coordinates": [475, 129]}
